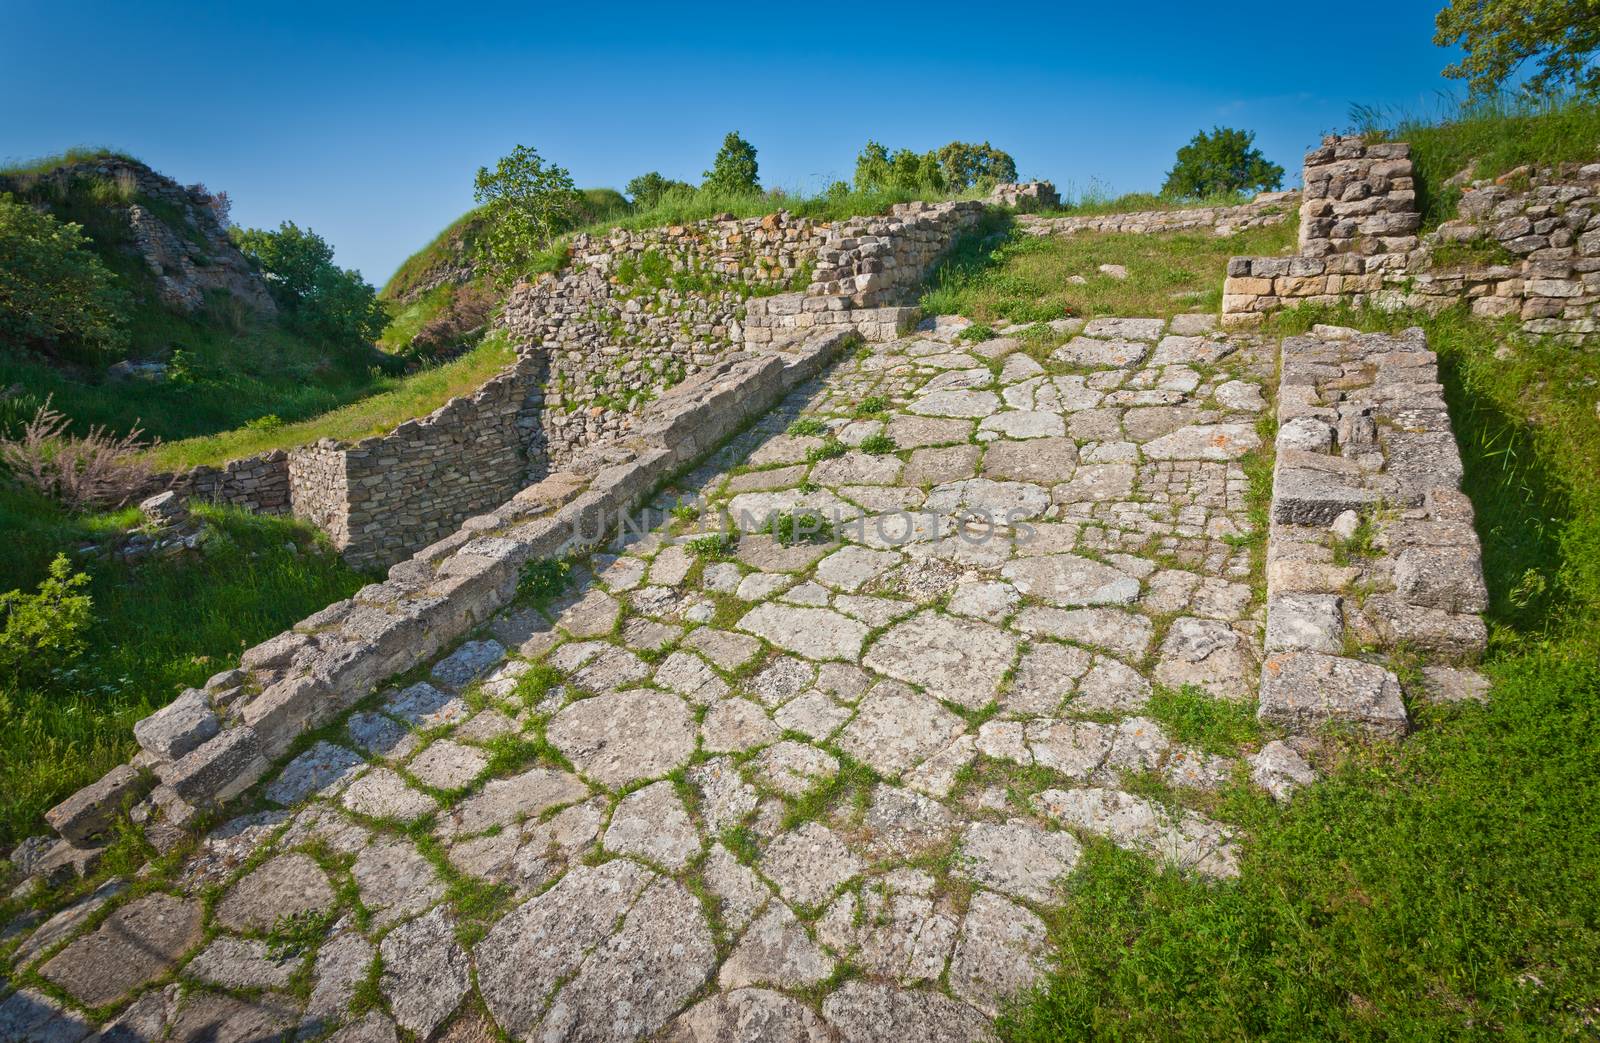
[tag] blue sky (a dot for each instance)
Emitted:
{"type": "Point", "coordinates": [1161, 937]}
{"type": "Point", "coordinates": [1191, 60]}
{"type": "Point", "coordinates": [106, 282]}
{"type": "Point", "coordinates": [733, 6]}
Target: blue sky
{"type": "Point", "coordinates": [367, 121]}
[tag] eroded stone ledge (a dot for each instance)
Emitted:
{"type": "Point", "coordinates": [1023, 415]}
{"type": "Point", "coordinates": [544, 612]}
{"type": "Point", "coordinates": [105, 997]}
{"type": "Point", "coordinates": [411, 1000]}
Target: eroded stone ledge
{"type": "Point", "coordinates": [1371, 541]}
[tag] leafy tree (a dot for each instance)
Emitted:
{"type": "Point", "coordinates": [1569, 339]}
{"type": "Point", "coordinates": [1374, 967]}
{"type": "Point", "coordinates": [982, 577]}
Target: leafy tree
{"type": "Point", "coordinates": [646, 190]}
{"type": "Point", "coordinates": [526, 203]}
{"type": "Point", "coordinates": [734, 170]}
{"type": "Point", "coordinates": [967, 166]}
{"type": "Point", "coordinates": [1562, 36]}
{"type": "Point", "coordinates": [53, 290]}
{"type": "Point", "coordinates": [319, 297]}
{"type": "Point", "coordinates": [1226, 160]}
{"type": "Point", "coordinates": [905, 170]}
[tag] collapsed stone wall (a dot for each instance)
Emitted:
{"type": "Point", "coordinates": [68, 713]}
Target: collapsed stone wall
{"type": "Point", "coordinates": [257, 483]}
{"type": "Point", "coordinates": [212, 743]}
{"type": "Point", "coordinates": [187, 262]}
{"type": "Point", "coordinates": [1371, 543]}
{"type": "Point", "coordinates": [1267, 208]}
{"type": "Point", "coordinates": [1525, 245]}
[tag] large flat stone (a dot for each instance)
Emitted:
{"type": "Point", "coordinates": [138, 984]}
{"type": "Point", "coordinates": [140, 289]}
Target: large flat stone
{"type": "Point", "coordinates": [1067, 580]}
{"type": "Point", "coordinates": [1305, 691]}
{"type": "Point", "coordinates": [959, 660]}
{"type": "Point", "coordinates": [138, 943]}
{"type": "Point", "coordinates": [619, 737]}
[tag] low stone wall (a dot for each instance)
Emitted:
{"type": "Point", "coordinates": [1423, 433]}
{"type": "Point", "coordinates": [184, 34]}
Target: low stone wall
{"type": "Point", "coordinates": [867, 274]}
{"type": "Point", "coordinates": [257, 483]}
{"type": "Point", "coordinates": [1371, 543]}
{"type": "Point", "coordinates": [213, 743]}
{"type": "Point", "coordinates": [1268, 208]}
{"type": "Point", "coordinates": [383, 497]}
{"type": "Point", "coordinates": [1525, 245]}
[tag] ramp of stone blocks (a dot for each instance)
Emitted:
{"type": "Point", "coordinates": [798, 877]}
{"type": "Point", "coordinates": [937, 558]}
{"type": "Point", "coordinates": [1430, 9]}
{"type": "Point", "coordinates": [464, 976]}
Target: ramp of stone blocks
{"type": "Point", "coordinates": [606, 817]}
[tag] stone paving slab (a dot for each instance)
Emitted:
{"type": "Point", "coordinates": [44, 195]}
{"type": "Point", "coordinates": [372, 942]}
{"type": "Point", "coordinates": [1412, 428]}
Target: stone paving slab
{"type": "Point", "coordinates": [672, 802]}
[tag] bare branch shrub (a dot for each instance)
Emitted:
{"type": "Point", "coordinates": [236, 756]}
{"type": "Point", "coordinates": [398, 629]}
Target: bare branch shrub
{"type": "Point", "coordinates": [95, 471]}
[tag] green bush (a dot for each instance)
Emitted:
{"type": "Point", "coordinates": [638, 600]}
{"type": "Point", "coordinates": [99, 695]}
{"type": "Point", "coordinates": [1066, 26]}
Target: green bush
{"type": "Point", "coordinates": [54, 292]}
{"type": "Point", "coordinates": [320, 299]}
{"type": "Point", "coordinates": [45, 631]}
{"type": "Point", "coordinates": [526, 203]}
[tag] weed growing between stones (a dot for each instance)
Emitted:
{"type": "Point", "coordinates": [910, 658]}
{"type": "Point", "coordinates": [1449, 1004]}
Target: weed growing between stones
{"type": "Point", "coordinates": [878, 445]}
{"type": "Point", "coordinates": [828, 450]}
{"type": "Point", "coordinates": [795, 527]}
{"type": "Point", "coordinates": [1192, 717]}
{"type": "Point", "coordinates": [807, 426]}
{"type": "Point", "coordinates": [543, 581]}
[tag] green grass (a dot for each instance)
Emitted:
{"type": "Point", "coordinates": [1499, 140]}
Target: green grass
{"type": "Point", "coordinates": [396, 400]}
{"type": "Point", "coordinates": [1024, 278]}
{"type": "Point", "coordinates": [1490, 136]}
{"type": "Point", "coordinates": [159, 626]}
{"type": "Point", "coordinates": [1441, 888]}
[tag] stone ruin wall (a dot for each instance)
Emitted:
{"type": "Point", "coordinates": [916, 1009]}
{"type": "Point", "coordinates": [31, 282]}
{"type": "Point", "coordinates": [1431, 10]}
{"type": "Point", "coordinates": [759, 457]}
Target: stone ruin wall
{"type": "Point", "coordinates": [617, 338]}
{"type": "Point", "coordinates": [1525, 245]}
{"type": "Point", "coordinates": [638, 311]}
{"type": "Point", "coordinates": [184, 270]}
{"type": "Point", "coordinates": [1267, 208]}
{"type": "Point", "coordinates": [381, 498]}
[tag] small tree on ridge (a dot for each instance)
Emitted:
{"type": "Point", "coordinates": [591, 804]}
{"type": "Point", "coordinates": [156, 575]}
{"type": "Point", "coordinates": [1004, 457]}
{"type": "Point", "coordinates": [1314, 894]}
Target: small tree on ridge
{"type": "Point", "coordinates": [1226, 160]}
{"type": "Point", "coordinates": [734, 170]}
{"type": "Point", "coordinates": [526, 203]}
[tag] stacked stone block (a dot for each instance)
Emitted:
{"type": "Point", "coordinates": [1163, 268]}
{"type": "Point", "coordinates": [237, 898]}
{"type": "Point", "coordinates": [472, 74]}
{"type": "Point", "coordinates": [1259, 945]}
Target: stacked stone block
{"type": "Point", "coordinates": [257, 483]}
{"type": "Point", "coordinates": [1359, 198]}
{"type": "Point", "coordinates": [1268, 208]}
{"type": "Point", "coordinates": [1371, 543]}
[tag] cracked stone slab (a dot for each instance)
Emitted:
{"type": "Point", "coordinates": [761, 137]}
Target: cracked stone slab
{"type": "Point", "coordinates": [447, 765]}
{"type": "Point", "coordinates": [641, 976]}
{"type": "Point", "coordinates": [1067, 580]}
{"type": "Point", "coordinates": [1305, 622]}
{"type": "Point", "coordinates": [466, 664]}
{"type": "Point", "coordinates": [739, 889]}
{"type": "Point", "coordinates": [383, 794]}
{"type": "Point", "coordinates": [959, 660]}
{"type": "Point", "coordinates": [286, 886]}
{"type": "Point", "coordinates": [1280, 770]}
{"type": "Point", "coordinates": [504, 801]}
{"type": "Point", "coordinates": [545, 940]}
{"type": "Point", "coordinates": [816, 633]}
{"type": "Point", "coordinates": [1209, 654]}
{"type": "Point", "coordinates": [1125, 633]}
{"type": "Point", "coordinates": [1110, 354]}
{"type": "Point", "coordinates": [652, 824]}
{"type": "Point", "coordinates": [748, 1016]}
{"type": "Point", "coordinates": [867, 1012]}
{"type": "Point", "coordinates": [809, 863]}
{"type": "Point", "coordinates": [1001, 953]}
{"type": "Point", "coordinates": [424, 706]}
{"type": "Point", "coordinates": [906, 937]}
{"type": "Point", "coordinates": [1188, 840]}
{"type": "Point", "coordinates": [620, 737]}
{"type": "Point", "coordinates": [777, 951]}
{"type": "Point", "coordinates": [137, 943]}
{"type": "Point", "coordinates": [736, 725]}
{"type": "Point", "coordinates": [725, 798]}
{"type": "Point", "coordinates": [792, 767]}
{"type": "Point", "coordinates": [241, 963]}
{"type": "Point", "coordinates": [896, 728]}
{"type": "Point", "coordinates": [1017, 859]}
{"type": "Point", "coordinates": [425, 972]}
{"type": "Point", "coordinates": [395, 880]}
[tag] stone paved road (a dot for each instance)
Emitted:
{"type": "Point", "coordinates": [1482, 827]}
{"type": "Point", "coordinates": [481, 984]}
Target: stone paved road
{"type": "Point", "coordinates": [819, 790]}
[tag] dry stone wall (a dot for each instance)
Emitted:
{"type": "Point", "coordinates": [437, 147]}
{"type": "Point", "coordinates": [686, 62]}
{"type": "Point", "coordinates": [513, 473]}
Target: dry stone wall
{"type": "Point", "coordinates": [1268, 208]}
{"type": "Point", "coordinates": [1525, 245]}
{"type": "Point", "coordinates": [257, 483]}
{"type": "Point", "coordinates": [1371, 543]}
{"type": "Point", "coordinates": [640, 310]}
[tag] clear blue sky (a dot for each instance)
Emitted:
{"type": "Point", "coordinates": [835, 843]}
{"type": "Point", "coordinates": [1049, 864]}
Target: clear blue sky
{"type": "Point", "coordinates": [367, 121]}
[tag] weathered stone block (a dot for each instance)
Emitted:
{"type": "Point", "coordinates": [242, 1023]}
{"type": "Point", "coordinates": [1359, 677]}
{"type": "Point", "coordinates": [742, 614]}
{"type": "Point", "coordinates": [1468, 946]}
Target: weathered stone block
{"type": "Point", "coordinates": [1305, 691]}
{"type": "Point", "coordinates": [91, 811]}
